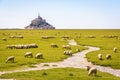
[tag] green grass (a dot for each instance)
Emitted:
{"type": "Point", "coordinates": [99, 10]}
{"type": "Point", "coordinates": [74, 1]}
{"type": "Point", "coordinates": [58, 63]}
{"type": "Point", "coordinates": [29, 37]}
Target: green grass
{"type": "Point", "coordinates": [56, 54]}
{"type": "Point", "coordinates": [33, 36]}
{"type": "Point", "coordinates": [106, 45]}
{"type": "Point", "coordinates": [59, 74]}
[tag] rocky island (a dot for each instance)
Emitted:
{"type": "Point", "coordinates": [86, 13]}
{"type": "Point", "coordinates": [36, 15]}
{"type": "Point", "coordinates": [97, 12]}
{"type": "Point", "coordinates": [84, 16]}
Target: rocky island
{"type": "Point", "coordinates": [39, 23]}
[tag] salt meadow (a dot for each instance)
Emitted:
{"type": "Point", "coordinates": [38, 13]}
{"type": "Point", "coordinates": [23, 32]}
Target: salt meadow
{"type": "Point", "coordinates": [82, 37]}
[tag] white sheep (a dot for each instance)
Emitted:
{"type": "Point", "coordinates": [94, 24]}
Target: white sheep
{"type": "Point", "coordinates": [91, 70]}
{"type": "Point", "coordinates": [11, 58]}
{"type": "Point", "coordinates": [27, 54]}
{"type": "Point", "coordinates": [108, 56]}
{"type": "Point", "coordinates": [39, 56]}
{"type": "Point", "coordinates": [100, 56]}
{"type": "Point", "coordinates": [66, 47]}
{"type": "Point", "coordinates": [54, 45]}
{"type": "Point", "coordinates": [115, 50]}
{"type": "Point", "coordinates": [68, 52]}
{"type": "Point", "coordinates": [4, 39]}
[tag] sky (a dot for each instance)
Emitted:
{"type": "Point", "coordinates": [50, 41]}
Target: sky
{"type": "Point", "coordinates": [62, 14]}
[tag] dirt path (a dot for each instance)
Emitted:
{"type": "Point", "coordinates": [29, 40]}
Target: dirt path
{"type": "Point", "coordinates": [78, 60]}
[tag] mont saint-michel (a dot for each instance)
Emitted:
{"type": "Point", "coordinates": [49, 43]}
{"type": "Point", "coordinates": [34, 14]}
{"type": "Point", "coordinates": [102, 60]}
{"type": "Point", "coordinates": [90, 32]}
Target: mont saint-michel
{"type": "Point", "coordinates": [39, 23]}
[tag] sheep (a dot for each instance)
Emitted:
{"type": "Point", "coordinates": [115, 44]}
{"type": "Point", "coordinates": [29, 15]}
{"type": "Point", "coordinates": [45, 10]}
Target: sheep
{"type": "Point", "coordinates": [91, 36]}
{"type": "Point", "coordinates": [10, 46]}
{"type": "Point", "coordinates": [66, 47]}
{"type": "Point", "coordinates": [4, 39]}
{"type": "Point", "coordinates": [27, 54]}
{"type": "Point", "coordinates": [19, 36]}
{"type": "Point", "coordinates": [100, 56]}
{"type": "Point", "coordinates": [22, 46]}
{"type": "Point", "coordinates": [47, 37]}
{"type": "Point", "coordinates": [115, 50]}
{"type": "Point", "coordinates": [108, 56]}
{"type": "Point", "coordinates": [54, 45]}
{"type": "Point", "coordinates": [65, 37]}
{"type": "Point", "coordinates": [32, 46]}
{"type": "Point", "coordinates": [92, 71]}
{"type": "Point", "coordinates": [68, 52]}
{"type": "Point", "coordinates": [11, 58]}
{"type": "Point", "coordinates": [111, 36]}
{"type": "Point", "coordinates": [12, 36]}
{"type": "Point", "coordinates": [39, 56]}
{"type": "Point", "coordinates": [44, 37]}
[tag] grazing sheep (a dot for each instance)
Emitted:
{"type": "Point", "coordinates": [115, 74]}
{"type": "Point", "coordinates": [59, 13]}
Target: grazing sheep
{"type": "Point", "coordinates": [10, 46]}
{"type": "Point", "coordinates": [19, 36]}
{"type": "Point", "coordinates": [4, 39]}
{"type": "Point", "coordinates": [54, 45]}
{"type": "Point", "coordinates": [92, 71]}
{"type": "Point", "coordinates": [115, 50]}
{"type": "Point", "coordinates": [47, 37]}
{"type": "Point", "coordinates": [91, 36]}
{"type": "Point", "coordinates": [27, 54]}
{"type": "Point", "coordinates": [108, 56]}
{"type": "Point", "coordinates": [39, 56]}
{"type": "Point", "coordinates": [12, 36]}
{"type": "Point", "coordinates": [100, 56]}
{"type": "Point", "coordinates": [65, 37]}
{"type": "Point", "coordinates": [66, 47]}
{"type": "Point", "coordinates": [11, 58]}
{"type": "Point", "coordinates": [22, 46]}
{"type": "Point", "coordinates": [44, 37]}
{"type": "Point", "coordinates": [68, 52]}
{"type": "Point", "coordinates": [111, 36]}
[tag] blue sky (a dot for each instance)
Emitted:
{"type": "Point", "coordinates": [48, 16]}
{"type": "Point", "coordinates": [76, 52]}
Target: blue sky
{"type": "Point", "coordinates": [63, 14]}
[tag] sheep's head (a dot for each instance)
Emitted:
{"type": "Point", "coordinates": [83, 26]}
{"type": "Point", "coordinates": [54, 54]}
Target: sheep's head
{"type": "Point", "coordinates": [88, 68]}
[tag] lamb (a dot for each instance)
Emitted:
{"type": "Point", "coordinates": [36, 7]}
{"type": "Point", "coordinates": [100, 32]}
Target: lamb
{"type": "Point", "coordinates": [11, 58]}
{"type": "Point", "coordinates": [27, 54]}
{"type": "Point", "coordinates": [39, 56]}
{"type": "Point", "coordinates": [100, 56]}
{"type": "Point", "coordinates": [115, 50]}
{"type": "Point", "coordinates": [91, 70]}
{"type": "Point", "coordinates": [108, 56]}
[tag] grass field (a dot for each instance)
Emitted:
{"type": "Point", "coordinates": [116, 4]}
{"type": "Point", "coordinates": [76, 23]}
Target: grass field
{"type": "Point", "coordinates": [59, 74]}
{"type": "Point", "coordinates": [106, 45]}
{"type": "Point", "coordinates": [56, 54]}
{"type": "Point", "coordinates": [33, 36]}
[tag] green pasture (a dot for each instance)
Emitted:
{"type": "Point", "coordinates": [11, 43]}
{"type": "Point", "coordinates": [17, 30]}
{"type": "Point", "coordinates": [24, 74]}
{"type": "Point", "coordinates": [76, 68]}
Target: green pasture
{"type": "Point", "coordinates": [56, 54]}
{"type": "Point", "coordinates": [59, 74]}
{"type": "Point", "coordinates": [106, 45]}
{"type": "Point", "coordinates": [33, 36]}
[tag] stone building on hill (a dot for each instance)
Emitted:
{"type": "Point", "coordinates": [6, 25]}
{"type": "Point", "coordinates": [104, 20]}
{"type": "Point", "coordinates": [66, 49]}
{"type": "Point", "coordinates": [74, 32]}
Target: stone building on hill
{"type": "Point", "coordinates": [39, 23]}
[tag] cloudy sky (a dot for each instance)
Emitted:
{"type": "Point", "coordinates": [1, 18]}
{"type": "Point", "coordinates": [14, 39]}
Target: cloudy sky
{"type": "Point", "coordinates": [63, 14]}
